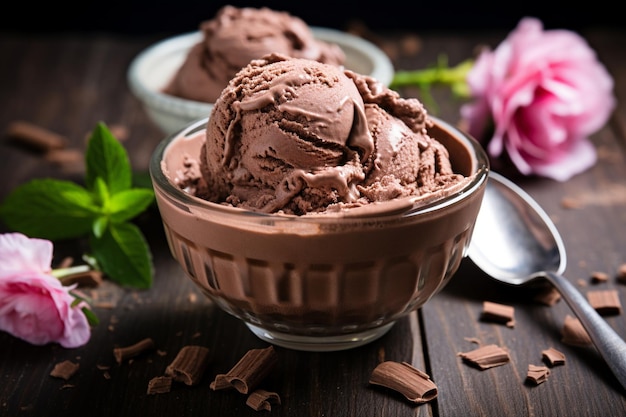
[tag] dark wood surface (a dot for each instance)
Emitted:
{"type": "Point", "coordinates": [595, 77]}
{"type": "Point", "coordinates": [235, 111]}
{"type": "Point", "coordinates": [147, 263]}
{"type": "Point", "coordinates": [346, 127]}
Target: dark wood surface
{"type": "Point", "coordinates": [68, 83]}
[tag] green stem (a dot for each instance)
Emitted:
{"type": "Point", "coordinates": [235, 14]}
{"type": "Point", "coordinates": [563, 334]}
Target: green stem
{"type": "Point", "coordinates": [441, 74]}
{"type": "Point", "coordinates": [63, 272]}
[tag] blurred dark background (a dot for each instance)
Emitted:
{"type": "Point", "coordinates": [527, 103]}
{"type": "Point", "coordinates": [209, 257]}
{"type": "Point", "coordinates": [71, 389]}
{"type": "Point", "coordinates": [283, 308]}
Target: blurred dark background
{"type": "Point", "coordinates": [141, 17]}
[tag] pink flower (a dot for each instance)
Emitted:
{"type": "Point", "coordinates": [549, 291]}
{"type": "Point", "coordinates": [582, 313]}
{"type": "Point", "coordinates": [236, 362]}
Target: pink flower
{"type": "Point", "coordinates": [34, 305]}
{"type": "Point", "coordinates": [544, 93]}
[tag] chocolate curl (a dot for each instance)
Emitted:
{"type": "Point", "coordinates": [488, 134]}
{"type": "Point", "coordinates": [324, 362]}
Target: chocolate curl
{"type": "Point", "coordinates": [123, 353]}
{"type": "Point", "coordinates": [409, 381]}
{"type": "Point", "coordinates": [189, 365]}
{"type": "Point", "coordinates": [486, 357]}
{"type": "Point", "coordinates": [159, 385]}
{"type": "Point", "coordinates": [499, 313]}
{"type": "Point", "coordinates": [537, 374]}
{"type": "Point", "coordinates": [262, 400]}
{"type": "Point", "coordinates": [255, 365]}
{"type": "Point", "coordinates": [573, 332]}
{"type": "Point", "coordinates": [553, 357]}
{"type": "Point", "coordinates": [35, 137]}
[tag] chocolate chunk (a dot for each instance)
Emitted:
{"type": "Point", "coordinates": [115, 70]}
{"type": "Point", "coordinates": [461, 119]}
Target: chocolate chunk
{"type": "Point", "coordinates": [35, 136]}
{"type": "Point", "coordinates": [621, 273]}
{"type": "Point", "coordinates": [255, 365]}
{"type": "Point", "coordinates": [498, 313]}
{"type": "Point", "coordinates": [537, 374]}
{"type": "Point", "coordinates": [123, 353]}
{"type": "Point", "coordinates": [90, 278]}
{"type": "Point", "coordinates": [553, 357]}
{"type": "Point", "coordinates": [597, 277]}
{"type": "Point", "coordinates": [486, 357]}
{"type": "Point", "coordinates": [159, 385]}
{"type": "Point", "coordinates": [606, 302]}
{"type": "Point", "coordinates": [415, 385]}
{"type": "Point", "coordinates": [189, 365]}
{"type": "Point", "coordinates": [548, 296]}
{"type": "Point", "coordinates": [261, 399]}
{"type": "Point", "coordinates": [64, 370]}
{"type": "Point", "coordinates": [573, 332]}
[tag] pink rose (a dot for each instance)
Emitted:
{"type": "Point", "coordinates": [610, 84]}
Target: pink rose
{"type": "Point", "coordinates": [544, 93]}
{"type": "Point", "coordinates": [34, 305]}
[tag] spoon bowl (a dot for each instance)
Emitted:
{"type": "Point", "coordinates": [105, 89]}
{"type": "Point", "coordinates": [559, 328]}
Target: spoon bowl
{"type": "Point", "coordinates": [515, 242]}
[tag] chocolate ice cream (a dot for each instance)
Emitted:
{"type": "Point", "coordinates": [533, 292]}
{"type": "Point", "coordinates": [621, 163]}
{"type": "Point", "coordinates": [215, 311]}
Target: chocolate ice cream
{"type": "Point", "coordinates": [298, 136]}
{"type": "Point", "coordinates": [233, 38]}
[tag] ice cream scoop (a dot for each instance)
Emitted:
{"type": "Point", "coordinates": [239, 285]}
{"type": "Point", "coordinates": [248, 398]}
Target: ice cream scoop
{"type": "Point", "coordinates": [233, 38]}
{"type": "Point", "coordinates": [299, 136]}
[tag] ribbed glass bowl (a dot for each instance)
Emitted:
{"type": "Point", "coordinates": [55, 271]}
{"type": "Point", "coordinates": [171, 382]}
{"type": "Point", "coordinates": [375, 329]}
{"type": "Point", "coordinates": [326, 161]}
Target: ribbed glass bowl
{"type": "Point", "coordinates": [327, 281]}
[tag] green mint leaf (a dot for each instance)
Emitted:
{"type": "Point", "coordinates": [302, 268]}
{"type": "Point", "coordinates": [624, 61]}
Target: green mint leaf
{"type": "Point", "coordinates": [107, 158]}
{"type": "Point", "coordinates": [127, 204]}
{"type": "Point", "coordinates": [99, 226]}
{"type": "Point", "coordinates": [50, 209]}
{"type": "Point", "coordinates": [101, 193]}
{"type": "Point", "coordinates": [124, 255]}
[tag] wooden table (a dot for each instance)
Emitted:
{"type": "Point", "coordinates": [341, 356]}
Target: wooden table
{"type": "Point", "coordinates": [68, 83]}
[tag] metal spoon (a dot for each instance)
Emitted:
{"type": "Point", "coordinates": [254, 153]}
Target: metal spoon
{"type": "Point", "coordinates": [514, 241]}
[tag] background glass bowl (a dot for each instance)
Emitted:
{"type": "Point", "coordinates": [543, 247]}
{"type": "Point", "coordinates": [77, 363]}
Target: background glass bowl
{"type": "Point", "coordinates": [152, 68]}
{"type": "Point", "coordinates": [320, 282]}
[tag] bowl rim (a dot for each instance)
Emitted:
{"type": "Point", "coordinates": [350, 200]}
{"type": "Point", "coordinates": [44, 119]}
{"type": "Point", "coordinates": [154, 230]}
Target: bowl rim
{"type": "Point", "coordinates": [173, 104]}
{"type": "Point", "coordinates": [383, 69]}
{"type": "Point", "coordinates": [406, 207]}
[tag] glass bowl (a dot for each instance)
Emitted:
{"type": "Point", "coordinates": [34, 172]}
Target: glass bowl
{"type": "Point", "coordinates": [320, 282]}
{"type": "Point", "coordinates": [153, 67]}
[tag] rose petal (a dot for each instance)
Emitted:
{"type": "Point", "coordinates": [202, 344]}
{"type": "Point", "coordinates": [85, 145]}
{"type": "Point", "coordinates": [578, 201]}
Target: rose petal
{"type": "Point", "coordinates": [34, 305]}
{"type": "Point", "coordinates": [546, 93]}
{"type": "Point", "coordinates": [20, 253]}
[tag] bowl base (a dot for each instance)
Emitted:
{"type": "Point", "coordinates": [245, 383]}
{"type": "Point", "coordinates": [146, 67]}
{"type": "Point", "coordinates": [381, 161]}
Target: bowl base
{"type": "Point", "coordinates": [320, 343]}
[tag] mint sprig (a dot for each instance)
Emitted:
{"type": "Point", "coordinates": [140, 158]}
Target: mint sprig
{"type": "Point", "coordinates": [441, 74]}
{"type": "Point", "coordinates": [101, 211]}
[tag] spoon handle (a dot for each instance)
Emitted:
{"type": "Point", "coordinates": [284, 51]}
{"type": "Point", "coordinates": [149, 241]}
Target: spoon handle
{"type": "Point", "coordinates": [610, 345]}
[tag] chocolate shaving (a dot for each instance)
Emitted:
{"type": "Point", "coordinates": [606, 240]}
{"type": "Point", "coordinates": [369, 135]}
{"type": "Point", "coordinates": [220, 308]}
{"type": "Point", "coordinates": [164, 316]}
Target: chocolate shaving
{"type": "Point", "coordinates": [124, 353]}
{"type": "Point", "coordinates": [91, 278]}
{"type": "Point", "coordinates": [574, 333]}
{"type": "Point", "coordinates": [69, 157]}
{"type": "Point", "coordinates": [221, 382]}
{"type": "Point", "coordinates": [66, 262]}
{"type": "Point", "coordinates": [498, 313]}
{"type": "Point", "coordinates": [64, 370]}
{"type": "Point", "coordinates": [262, 400]}
{"type": "Point", "coordinates": [597, 277]}
{"type": "Point", "coordinates": [159, 385]}
{"type": "Point", "coordinates": [571, 203]}
{"type": "Point", "coordinates": [606, 302]}
{"type": "Point", "coordinates": [119, 131]}
{"type": "Point", "coordinates": [621, 273]}
{"type": "Point", "coordinates": [189, 365]}
{"type": "Point", "coordinates": [548, 296]}
{"type": "Point", "coordinates": [35, 136]}
{"type": "Point", "coordinates": [553, 357]}
{"type": "Point", "coordinates": [415, 385]}
{"type": "Point", "coordinates": [486, 357]}
{"type": "Point", "coordinates": [537, 374]}
{"type": "Point", "coordinates": [255, 365]}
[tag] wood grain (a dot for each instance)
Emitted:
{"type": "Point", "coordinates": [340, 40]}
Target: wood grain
{"type": "Point", "coordinates": [68, 83]}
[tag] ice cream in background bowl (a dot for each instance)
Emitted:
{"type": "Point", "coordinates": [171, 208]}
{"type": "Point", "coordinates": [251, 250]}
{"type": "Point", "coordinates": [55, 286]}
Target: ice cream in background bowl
{"type": "Point", "coordinates": [178, 78]}
{"type": "Point", "coordinates": [316, 204]}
